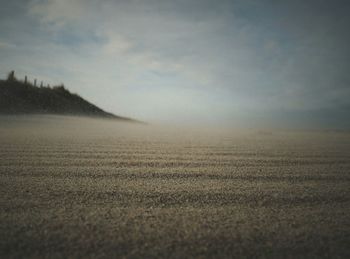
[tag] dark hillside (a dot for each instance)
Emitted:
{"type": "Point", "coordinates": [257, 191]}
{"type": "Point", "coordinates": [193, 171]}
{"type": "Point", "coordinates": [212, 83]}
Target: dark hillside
{"type": "Point", "coordinates": [22, 97]}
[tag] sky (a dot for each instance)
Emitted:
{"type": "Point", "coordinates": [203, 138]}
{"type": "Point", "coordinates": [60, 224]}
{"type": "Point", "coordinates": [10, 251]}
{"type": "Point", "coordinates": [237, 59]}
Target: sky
{"type": "Point", "coordinates": [254, 63]}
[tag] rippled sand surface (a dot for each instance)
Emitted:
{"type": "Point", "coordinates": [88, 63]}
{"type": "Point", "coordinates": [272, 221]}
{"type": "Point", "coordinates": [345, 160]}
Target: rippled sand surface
{"type": "Point", "coordinates": [74, 187]}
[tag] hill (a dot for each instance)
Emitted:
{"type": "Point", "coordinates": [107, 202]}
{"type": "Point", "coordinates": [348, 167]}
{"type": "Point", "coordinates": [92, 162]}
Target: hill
{"type": "Point", "coordinates": [23, 97]}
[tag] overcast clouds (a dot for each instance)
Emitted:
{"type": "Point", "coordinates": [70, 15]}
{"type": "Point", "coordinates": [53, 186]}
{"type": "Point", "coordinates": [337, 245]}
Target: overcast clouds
{"type": "Point", "coordinates": [244, 62]}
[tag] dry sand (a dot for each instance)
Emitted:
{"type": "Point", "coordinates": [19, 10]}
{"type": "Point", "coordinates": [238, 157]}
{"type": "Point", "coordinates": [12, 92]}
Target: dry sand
{"type": "Point", "coordinates": [88, 188]}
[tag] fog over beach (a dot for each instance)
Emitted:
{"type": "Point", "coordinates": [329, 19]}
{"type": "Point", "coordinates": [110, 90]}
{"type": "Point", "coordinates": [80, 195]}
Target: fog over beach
{"type": "Point", "coordinates": [174, 129]}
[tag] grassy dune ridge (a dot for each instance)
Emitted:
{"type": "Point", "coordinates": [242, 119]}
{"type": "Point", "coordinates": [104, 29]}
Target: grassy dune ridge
{"type": "Point", "coordinates": [94, 188]}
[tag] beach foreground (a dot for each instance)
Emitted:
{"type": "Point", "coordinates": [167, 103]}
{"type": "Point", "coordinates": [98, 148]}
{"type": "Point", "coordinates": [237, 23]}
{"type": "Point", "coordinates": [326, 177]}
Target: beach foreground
{"type": "Point", "coordinates": [87, 188]}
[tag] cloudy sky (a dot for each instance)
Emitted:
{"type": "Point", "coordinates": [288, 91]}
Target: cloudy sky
{"type": "Point", "coordinates": [218, 62]}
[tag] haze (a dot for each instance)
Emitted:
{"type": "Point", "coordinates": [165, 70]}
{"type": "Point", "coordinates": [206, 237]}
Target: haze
{"type": "Point", "coordinates": [236, 63]}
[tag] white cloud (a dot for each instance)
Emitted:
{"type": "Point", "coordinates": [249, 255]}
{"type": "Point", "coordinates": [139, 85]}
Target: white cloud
{"type": "Point", "coordinates": [57, 12]}
{"type": "Point", "coordinates": [147, 40]}
{"type": "Point", "coordinates": [116, 44]}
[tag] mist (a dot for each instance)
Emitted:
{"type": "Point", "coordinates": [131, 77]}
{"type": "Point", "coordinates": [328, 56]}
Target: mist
{"type": "Point", "coordinates": [263, 64]}
{"type": "Point", "coordinates": [174, 129]}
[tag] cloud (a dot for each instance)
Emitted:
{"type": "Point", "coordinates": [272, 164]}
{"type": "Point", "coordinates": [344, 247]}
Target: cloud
{"type": "Point", "coordinates": [243, 56]}
{"type": "Point", "coordinates": [57, 12]}
{"type": "Point", "coordinates": [5, 45]}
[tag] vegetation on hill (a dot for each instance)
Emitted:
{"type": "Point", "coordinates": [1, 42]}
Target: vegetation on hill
{"type": "Point", "coordinates": [23, 97]}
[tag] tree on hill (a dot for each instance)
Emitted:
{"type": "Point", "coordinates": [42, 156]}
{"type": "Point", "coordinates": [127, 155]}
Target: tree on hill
{"type": "Point", "coordinates": [23, 97]}
{"type": "Point", "coordinates": [11, 76]}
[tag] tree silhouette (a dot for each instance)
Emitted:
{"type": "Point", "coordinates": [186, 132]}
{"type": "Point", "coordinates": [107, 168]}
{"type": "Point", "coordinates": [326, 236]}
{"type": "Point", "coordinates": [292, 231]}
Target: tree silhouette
{"type": "Point", "coordinates": [11, 76]}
